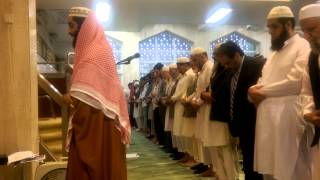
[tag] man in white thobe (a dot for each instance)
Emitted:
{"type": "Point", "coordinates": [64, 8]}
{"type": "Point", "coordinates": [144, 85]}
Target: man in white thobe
{"type": "Point", "coordinates": [199, 57]}
{"type": "Point", "coordinates": [184, 82]}
{"type": "Point", "coordinates": [280, 129]}
{"type": "Point", "coordinates": [309, 17]}
{"type": "Point", "coordinates": [168, 125]}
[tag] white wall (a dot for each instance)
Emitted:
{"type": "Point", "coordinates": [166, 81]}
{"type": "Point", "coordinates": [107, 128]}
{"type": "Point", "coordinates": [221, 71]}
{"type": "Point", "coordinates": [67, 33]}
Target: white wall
{"type": "Point", "coordinates": [130, 46]}
{"type": "Point", "coordinates": [200, 38]}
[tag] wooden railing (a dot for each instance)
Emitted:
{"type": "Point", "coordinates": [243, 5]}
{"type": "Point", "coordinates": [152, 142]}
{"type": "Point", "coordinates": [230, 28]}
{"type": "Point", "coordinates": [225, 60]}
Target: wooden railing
{"type": "Point", "coordinates": [55, 94]}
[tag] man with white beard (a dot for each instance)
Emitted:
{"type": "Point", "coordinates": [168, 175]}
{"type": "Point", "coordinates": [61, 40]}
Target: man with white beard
{"type": "Point", "coordinates": [280, 130]}
{"type": "Point", "coordinates": [168, 125]}
{"type": "Point", "coordinates": [187, 78]}
{"type": "Point", "coordinates": [309, 17]}
{"type": "Point", "coordinates": [199, 58]}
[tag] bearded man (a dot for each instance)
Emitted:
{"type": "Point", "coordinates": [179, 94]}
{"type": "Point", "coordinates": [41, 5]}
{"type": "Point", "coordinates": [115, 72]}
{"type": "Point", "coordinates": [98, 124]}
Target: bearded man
{"type": "Point", "coordinates": [99, 125]}
{"type": "Point", "coordinates": [280, 141]}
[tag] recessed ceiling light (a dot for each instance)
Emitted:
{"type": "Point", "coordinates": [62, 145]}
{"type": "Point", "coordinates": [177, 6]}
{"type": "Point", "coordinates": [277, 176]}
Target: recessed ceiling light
{"type": "Point", "coordinates": [103, 10]}
{"type": "Point", "coordinates": [218, 15]}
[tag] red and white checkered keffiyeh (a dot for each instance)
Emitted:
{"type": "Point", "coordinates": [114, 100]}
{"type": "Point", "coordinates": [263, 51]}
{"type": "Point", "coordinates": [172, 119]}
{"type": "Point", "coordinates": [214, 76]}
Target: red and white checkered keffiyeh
{"type": "Point", "coordinates": [95, 75]}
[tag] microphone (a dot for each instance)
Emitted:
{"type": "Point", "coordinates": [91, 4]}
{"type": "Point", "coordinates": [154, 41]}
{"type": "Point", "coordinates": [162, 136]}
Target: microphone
{"type": "Point", "coordinates": [128, 59]}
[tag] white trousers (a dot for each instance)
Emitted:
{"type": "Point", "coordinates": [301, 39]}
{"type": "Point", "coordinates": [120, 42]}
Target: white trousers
{"type": "Point", "coordinates": [203, 153]}
{"type": "Point", "coordinates": [223, 162]}
{"type": "Point", "coordinates": [187, 146]}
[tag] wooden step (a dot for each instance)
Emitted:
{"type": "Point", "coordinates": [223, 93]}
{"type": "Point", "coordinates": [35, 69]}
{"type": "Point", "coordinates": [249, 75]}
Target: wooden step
{"type": "Point", "coordinates": [56, 135]}
{"type": "Point", "coordinates": [51, 135]}
{"type": "Point", "coordinates": [55, 146]}
{"type": "Point", "coordinates": [50, 123]}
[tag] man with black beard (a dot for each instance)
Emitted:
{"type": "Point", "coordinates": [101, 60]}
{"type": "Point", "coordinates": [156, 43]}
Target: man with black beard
{"type": "Point", "coordinates": [99, 126]}
{"type": "Point", "coordinates": [281, 139]}
{"type": "Point", "coordinates": [75, 23]}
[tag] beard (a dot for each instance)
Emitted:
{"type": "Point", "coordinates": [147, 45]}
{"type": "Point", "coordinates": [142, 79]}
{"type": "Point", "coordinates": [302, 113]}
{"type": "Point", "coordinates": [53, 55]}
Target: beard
{"type": "Point", "coordinates": [75, 37]}
{"type": "Point", "coordinates": [315, 46]}
{"type": "Point", "coordinates": [278, 43]}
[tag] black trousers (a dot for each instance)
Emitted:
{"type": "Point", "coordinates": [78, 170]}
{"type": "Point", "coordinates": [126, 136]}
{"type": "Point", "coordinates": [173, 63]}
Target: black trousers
{"type": "Point", "coordinates": [247, 148]}
{"type": "Point", "coordinates": [168, 140]}
{"type": "Point", "coordinates": [159, 128]}
{"type": "Point", "coordinates": [132, 120]}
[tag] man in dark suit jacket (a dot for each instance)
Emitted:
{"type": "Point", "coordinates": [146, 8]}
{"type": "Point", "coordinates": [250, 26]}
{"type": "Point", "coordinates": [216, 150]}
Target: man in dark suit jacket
{"type": "Point", "coordinates": [246, 71]}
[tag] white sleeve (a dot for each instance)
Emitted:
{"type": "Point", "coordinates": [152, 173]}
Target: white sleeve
{"type": "Point", "coordinates": [182, 88]}
{"type": "Point", "coordinates": [306, 93]}
{"type": "Point", "coordinates": [292, 84]}
{"type": "Point", "coordinates": [307, 102]}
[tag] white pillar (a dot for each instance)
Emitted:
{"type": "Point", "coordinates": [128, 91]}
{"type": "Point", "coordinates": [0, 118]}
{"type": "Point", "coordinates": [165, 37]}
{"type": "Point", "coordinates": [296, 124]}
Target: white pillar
{"type": "Point", "coordinates": [18, 84]}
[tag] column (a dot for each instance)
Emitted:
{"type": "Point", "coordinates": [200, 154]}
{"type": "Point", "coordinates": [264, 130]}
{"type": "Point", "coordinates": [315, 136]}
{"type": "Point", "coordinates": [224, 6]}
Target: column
{"type": "Point", "coordinates": [18, 84]}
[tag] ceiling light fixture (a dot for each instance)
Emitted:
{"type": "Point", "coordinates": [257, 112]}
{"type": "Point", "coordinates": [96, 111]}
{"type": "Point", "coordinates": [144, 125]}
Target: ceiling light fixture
{"type": "Point", "coordinates": [218, 15]}
{"type": "Point", "coordinates": [103, 11]}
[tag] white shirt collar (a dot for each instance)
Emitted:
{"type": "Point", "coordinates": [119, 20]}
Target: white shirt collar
{"type": "Point", "coordinates": [290, 40]}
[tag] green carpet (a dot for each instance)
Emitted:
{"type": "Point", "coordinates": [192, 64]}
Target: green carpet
{"type": "Point", "coordinates": [154, 164]}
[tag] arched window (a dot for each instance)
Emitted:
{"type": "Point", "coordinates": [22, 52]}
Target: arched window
{"type": "Point", "coordinates": [117, 52]}
{"type": "Point", "coordinates": [164, 47]}
{"type": "Point", "coordinates": [247, 44]}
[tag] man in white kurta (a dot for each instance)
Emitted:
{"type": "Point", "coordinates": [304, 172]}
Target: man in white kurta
{"type": "Point", "coordinates": [280, 130]}
{"type": "Point", "coordinates": [185, 81]}
{"type": "Point", "coordinates": [189, 119]}
{"type": "Point", "coordinates": [309, 17]}
{"type": "Point", "coordinates": [168, 124]}
{"type": "Point", "coordinates": [168, 127]}
{"type": "Point", "coordinates": [199, 57]}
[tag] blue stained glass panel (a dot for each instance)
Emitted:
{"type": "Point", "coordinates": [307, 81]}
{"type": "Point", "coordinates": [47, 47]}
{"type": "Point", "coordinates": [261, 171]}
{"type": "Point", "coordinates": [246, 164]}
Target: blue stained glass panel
{"type": "Point", "coordinates": [164, 47]}
{"type": "Point", "coordinates": [248, 45]}
{"type": "Point", "coordinates": [116, 46]}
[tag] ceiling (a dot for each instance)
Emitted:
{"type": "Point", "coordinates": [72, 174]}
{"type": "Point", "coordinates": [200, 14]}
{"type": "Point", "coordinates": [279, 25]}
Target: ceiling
{"type": "Point", "coordinates": [133, 15]}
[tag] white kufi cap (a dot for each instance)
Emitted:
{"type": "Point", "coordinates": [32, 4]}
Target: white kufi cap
{"type": "Point", "coordinates": [280, 12]}
{"type": "Point", "coordinates": [165, 68]}
{"type": "Point", "coordinates": [197, 50]}
{"type": "Point", "coordinates": [309, 11]}
{"type": "Point", "coordinates": [173, 66]}
{"type": "Point", "coordinates": [79, 11]}
{"type": "Point", "coordinates": [183, 60]}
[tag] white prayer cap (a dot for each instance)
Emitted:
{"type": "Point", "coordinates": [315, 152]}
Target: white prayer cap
{"type": "Point", "coordinates": [309, 11]}
{"type": "Point", "coordinates": [197, 50]}
{"type": "Point", "coordinates": [173, 66]}
{"type": "Point", "coordinates": [79, 11]}
{"type": "Point", "coordinates": [280, 12]}
{"type": "Point", "coordinates": [165, 68]}
{"type": "Point", "coordinates": [181, 60]}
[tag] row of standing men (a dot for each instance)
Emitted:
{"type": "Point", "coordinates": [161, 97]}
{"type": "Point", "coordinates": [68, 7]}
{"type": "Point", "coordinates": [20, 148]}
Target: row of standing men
{"type": "Point", "coordinates": [206, 110]}
{"type": "Point", "coordinates": [188, 103]}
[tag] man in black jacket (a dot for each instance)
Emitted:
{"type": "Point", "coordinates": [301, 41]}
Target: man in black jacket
{"type": "Point", "coordinates": [246, 71]}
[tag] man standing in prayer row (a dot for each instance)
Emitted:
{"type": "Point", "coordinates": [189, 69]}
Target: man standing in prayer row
{"type": "Point", "coordinates": [165, 78]}
{"type": "Point", "coordinates": [280, 141]}
{"type": "Point", "coordinates": [245, 73]}
{"type": "Point", "coordinates": [168, 125]}
{"type": "Point", "coordinates": [100, 124]}
{"type": "Point", "coordinates": [141, 103]}
{"type": "Point", "coordinates": [131, 104]}
{"type": "Point", "coordinates": [186, 80]}
{"type": "Point", "coordinates": [189, 118]}
{"type": "Point", "coordinates": [310, 24]}
{"type": "Point", "coordinates": [217, 138]}
{"type": "Point", "coordinates": [156, 93]}
{"type": "Point", "coordinates": [199, 58]}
